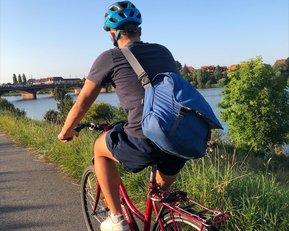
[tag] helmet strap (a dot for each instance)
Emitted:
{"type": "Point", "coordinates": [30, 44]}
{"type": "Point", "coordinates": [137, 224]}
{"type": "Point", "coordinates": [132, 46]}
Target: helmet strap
{"type": "Point", "coordinates": [115, 38]}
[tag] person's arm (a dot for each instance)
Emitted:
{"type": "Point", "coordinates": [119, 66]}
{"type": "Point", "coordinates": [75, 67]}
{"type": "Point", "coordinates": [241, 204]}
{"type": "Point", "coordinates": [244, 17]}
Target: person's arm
{"type": "Point", "coordinates": [87, 96]}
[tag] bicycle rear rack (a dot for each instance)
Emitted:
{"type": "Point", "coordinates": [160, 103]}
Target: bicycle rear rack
{"type": "Point", "coordinates": [178, 202]}
{"type": "Point", "coordinates": [207, 217]}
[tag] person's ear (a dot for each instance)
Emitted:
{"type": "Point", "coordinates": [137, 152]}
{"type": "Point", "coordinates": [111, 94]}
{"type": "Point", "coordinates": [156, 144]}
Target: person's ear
{"type": "Point", "coordinates": [139, 31]}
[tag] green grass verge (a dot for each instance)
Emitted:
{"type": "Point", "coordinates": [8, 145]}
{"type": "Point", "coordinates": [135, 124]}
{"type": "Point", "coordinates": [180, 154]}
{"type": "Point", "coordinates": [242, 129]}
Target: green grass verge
{"type": "Point", "coordinates": [253, 191]}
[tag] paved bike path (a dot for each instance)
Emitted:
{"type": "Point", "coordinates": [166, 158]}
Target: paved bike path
{"type": "Point", "coordinates": [33, 194]}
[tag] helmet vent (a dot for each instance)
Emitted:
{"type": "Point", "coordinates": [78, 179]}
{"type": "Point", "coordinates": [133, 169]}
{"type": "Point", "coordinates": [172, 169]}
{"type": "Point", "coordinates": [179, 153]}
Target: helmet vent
{"type": "Point", "coordinates": [138, 16]}
{"type": "Point", "coordinates": [131, 13]}
{"type": "Point", "coordinates": [124, 5]}
{"type": "Point", "coordinates": [113, 20]}
{"type": "Point", "coordinates": [122, 15]}
{"type": "Point", "coordinates": [114, 8]}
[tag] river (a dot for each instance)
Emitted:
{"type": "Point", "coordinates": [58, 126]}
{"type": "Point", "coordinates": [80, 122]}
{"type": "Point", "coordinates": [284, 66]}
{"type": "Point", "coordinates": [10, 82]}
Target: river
{"type": "Point", "coordinates": [37, 108]}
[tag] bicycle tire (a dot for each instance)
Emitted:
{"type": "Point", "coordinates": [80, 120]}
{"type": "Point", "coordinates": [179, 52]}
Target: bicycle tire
{"type": "Point", "coordinates": [182, 224]}
{"type": "Point", "coordinates": [91, 197]}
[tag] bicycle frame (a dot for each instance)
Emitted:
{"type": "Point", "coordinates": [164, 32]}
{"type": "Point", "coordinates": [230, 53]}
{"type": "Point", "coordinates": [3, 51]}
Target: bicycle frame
{"type": "Point", "coordinates": [157, 202]}
{"type": "Point", "coordinates": [145, 218]}
{"type": "Point", "coordinates": [150, 204]}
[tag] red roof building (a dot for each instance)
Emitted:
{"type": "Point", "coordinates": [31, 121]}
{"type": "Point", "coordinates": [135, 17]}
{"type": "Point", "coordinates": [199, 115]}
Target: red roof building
{"type": "Point", "coordinates": [280, 61]}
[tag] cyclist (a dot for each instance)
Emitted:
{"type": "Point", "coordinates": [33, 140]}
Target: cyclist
{"type": "Point", "coordinates": [125, 143]}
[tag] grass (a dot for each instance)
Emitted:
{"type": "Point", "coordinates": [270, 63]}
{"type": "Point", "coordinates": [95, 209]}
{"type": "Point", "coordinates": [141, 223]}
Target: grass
{"type": "Point", "coordinates": [252, 190]}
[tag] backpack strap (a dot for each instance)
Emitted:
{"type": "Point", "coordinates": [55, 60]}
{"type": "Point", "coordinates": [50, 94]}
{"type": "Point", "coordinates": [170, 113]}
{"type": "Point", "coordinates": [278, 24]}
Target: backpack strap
{"type": "Point", "coordinates": [141, 73]}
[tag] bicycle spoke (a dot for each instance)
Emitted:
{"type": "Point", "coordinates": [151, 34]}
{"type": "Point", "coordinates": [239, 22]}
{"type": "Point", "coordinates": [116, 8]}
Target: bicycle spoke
{"type": "Point", "coordinates": [94, 207]}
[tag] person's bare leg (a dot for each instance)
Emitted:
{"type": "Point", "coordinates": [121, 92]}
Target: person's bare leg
{"type": "Point", "coordinates": [165, 180]}
{"type": "Point", "coordinates": [107, 175]}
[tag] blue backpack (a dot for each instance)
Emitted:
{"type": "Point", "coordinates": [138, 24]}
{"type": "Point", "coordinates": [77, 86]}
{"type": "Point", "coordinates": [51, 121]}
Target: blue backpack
{"type": "Point", "coordinates": [176, 117]}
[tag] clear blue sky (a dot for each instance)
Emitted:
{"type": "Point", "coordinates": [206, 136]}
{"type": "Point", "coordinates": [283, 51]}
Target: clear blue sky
{"type": "Point", "coordinates": [43, 38]}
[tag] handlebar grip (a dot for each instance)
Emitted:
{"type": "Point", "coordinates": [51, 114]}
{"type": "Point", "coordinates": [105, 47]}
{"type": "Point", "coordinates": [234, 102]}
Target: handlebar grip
{"type": "Point", "coordinates": [91, 126]}
{"type": "Point", "coordinates": [78, 128]}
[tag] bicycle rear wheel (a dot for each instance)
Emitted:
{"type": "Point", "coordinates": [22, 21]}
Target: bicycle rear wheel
{"type": "Point", "coordinates": [92, 200]}
{"type": "Point", "coordinates": [180, 223]}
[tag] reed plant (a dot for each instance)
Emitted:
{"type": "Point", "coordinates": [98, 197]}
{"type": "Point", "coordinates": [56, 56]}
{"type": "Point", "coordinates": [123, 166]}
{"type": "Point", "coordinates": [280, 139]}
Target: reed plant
{"type": "Point", "coordinates": [254, 191]}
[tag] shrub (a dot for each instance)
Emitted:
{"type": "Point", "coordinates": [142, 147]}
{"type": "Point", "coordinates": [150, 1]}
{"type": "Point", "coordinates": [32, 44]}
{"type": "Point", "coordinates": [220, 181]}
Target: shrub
{"type": "Point", "coordinates": [104, 113]}
{"type": "Point", "coordinates": [64, 104]}
{"type": "Point", "coordinates": [256, 106]}
{"type": "Point", "coordinates": [7, 106]}
{"type": "Point", "coordinates": [51, 116]}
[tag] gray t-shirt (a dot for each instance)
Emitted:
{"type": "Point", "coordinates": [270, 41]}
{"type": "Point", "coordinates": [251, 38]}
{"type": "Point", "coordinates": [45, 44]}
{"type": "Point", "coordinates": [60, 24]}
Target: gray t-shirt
{"type": "Point", "coordinates": [112, 67]}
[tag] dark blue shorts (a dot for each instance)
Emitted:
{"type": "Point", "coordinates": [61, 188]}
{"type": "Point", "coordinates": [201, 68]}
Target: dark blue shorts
{"type": "Point", "coordinates": [135, 153]}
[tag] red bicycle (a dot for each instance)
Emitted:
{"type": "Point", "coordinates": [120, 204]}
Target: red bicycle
{"type": "Point", "coordinates": [173, 209]}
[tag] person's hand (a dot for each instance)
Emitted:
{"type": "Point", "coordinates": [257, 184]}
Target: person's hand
{"type": "Point", "coordinates": [67, 136]}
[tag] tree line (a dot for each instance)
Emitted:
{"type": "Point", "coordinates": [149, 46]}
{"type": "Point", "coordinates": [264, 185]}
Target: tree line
{"type": "Point", "coordinates": [205, 77]}
{"type": "Point", "coordinates": [217, 76]}
{"type": "Point", "coordinates": [20, 79]}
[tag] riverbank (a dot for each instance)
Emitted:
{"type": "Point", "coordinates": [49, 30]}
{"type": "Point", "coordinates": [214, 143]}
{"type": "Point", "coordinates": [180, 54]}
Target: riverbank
{"type": "Point", "coordinates": [254, 191]}
{"type": "Point", "coordinates": [36, 109]}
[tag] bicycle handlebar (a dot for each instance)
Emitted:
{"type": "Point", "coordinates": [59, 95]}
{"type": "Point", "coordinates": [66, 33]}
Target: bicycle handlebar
{"type": "Point", "coordinates": [92, 126]}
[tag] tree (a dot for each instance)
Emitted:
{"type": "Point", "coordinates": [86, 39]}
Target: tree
{"type": "Point", "coordinates": [19, 79]}
{"type": "Point", "coordinates": [59, 93]}
{"type": "Point", "coordinates": [64, 107]}
{"type": "Point", "coordinates": [51, 116]}
{"type": "Point", "coordinates": [194, 81]}
{"type": "Point", "coordinates": [179, 65]}
{"type": "Point", "coordinates": [64, 104]}
{"type": "Point", "coordinates": [256, 106]}
{"type": "Point", "coordinates": [24, 80]}
{"type": "Point", "coordinates": [100, 113]}
{"type": "Point", "coordinates": [283, 69]}
{"type": "Point", "coordinates": [186, 73]}
{"type": "Point", "coordinates": [15, 81]}
{"type": "Point", "coordinates": [202, 78]}
{"type": "Point", "coordinates": [218, 73]}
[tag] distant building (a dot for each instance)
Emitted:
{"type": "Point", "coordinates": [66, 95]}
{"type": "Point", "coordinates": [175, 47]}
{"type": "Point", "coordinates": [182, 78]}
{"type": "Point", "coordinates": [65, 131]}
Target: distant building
{"type": "Point", "coordinates": [224, 69]}
{"type": "Point", "coordinates": [190, 69]}
{"type": "Point", "coordinates": [233, 67]}
{"type": "Point", "coordinates": [211, 68]}
{"type": "Point", "coordinates": [186, 68]}
{"type": "Point", "coordinates": [54, 80]}
{"type": "Point", "coordinates": [280, 61]}
{"type": "Point", "coordinates": [47, 80]}
{"type": "Point", "coordinates": [50, 80]}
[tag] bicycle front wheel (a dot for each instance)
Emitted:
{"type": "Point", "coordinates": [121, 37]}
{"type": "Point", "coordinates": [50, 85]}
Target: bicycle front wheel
{"type": "Point", "coordinates": [179, 223]}
{"type": "Point", "coordinates": [93, 203]}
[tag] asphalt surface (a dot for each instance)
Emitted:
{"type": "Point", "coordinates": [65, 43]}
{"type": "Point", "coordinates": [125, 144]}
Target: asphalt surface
{"type": "Point", "coordinates": [33, 194]}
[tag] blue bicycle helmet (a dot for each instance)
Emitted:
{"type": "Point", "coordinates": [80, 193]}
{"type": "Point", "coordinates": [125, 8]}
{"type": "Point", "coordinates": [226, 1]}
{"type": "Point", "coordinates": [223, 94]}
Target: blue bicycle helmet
{"type": "Point", "coordinates": [120, 13]}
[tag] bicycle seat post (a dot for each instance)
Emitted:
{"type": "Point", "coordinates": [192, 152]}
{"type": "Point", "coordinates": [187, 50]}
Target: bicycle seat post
{"type": "Point", "coordinates": [153, 173]}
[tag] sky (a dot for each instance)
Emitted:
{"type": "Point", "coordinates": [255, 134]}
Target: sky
{"type": "Point", "coordinates": [41, 38]}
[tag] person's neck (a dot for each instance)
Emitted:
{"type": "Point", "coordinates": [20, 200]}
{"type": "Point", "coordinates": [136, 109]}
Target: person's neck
{"type": "Point", "coordinates": [124, 41]}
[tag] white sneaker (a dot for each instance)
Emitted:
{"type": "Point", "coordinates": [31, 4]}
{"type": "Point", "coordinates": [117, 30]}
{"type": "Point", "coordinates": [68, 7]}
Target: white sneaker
{"type": "Point", "coordinates": [109, 225]}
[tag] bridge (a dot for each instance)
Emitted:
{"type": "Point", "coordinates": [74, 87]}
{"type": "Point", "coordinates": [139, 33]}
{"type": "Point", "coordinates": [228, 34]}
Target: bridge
{"type": "Point", "coordinates": [29, 91]}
